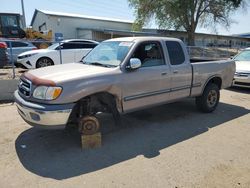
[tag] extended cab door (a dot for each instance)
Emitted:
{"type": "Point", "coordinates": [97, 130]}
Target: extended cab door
{"type": "Point", "coordinates": [148, 85]}
{"type": "Point", "coordinates": [181, 70]}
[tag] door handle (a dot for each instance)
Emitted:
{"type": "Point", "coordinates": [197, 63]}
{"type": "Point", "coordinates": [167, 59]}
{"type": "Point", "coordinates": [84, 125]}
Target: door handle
{"type": "Point", "coordinates": [163, 73]}
{"type": "Point", "coordinates": [175, 71]}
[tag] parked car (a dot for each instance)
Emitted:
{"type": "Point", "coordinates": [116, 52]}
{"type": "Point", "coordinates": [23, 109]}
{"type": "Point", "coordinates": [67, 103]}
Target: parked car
{"type": "Point", "coordinates": [18, 47]}
{"type": "Point", "coordinates": [71, 51]}
{"type": "Point", "coordinates": [3, 54]}
{"type": "Point", "coordinates": [119, 76]}
{"type": "Point", "coordinates": [242, 74]}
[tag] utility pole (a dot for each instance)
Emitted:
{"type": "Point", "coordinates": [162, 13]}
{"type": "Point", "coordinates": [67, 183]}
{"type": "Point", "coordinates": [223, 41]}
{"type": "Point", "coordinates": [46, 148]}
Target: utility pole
{"type": "Point", "coordinates": [23, 16]}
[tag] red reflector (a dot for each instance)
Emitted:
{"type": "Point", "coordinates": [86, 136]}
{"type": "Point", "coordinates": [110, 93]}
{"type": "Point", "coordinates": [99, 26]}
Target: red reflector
{"type": "Point", "coordinates": [3, 45]}
{"type": "Point", "coordinates": [34, 48]}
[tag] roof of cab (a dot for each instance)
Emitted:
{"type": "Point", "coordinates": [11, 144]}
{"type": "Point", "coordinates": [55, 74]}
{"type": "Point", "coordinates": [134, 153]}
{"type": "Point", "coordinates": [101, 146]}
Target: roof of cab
{"type": "Point", "coordinates": [143, 38]}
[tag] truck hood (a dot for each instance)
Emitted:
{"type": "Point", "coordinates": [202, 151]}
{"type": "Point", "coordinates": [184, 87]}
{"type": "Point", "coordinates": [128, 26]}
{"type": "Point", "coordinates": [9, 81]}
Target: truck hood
{"type": "Point", "coordinates": [242, 66]}
{"type": "Point", "coordinates": [68, 72]}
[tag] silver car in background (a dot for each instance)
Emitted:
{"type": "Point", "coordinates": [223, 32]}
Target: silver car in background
{"type": "Point", "coordinates": [242, 74]}
{"type": "Point", "coordinates": [18, 47]}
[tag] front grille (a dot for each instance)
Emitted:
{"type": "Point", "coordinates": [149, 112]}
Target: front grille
{"type": "Point", "coordinates": [24, 87]}
{"type": "Point", "coordinates": [242, 83]}
{"type": "Point", "coordinates": [242, 74]}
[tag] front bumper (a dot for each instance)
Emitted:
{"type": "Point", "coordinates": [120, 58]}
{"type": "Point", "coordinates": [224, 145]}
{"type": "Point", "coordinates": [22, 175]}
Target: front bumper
{"type": "Point", "coordinates": [241, 81]}
{"type": "Point", "coordinates": [41, 115]}
{"type": "Point", "coordinates": [26, 62]}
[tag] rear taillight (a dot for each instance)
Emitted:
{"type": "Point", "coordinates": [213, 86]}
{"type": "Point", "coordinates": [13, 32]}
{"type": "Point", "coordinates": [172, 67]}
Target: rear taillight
{"type": "Point", "coordinates": [3, 45]}
{"type": "Point", "coordinates": [34, 48]}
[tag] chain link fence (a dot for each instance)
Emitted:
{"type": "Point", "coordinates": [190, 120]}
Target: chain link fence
{"type": "Point", "coordinates": [211, 53]}
{"type": "Point", "coordinates": [12, 48]}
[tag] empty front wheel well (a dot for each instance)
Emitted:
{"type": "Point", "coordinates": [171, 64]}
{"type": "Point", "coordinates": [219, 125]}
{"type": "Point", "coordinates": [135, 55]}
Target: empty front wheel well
{"type": "Point", "coordinates": [92, 104]}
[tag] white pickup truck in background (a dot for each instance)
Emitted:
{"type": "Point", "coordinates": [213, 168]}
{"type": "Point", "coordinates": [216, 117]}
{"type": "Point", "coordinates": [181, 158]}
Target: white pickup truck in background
{"type": "Point", "coordinates": [119, 76]}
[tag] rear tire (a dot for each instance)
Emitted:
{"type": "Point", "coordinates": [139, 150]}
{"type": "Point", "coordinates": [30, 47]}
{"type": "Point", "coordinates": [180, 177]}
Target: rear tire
{"type": "Point", "coordinates": [44, 62]}
{"type": "Point", "coordinates": [209, 100]}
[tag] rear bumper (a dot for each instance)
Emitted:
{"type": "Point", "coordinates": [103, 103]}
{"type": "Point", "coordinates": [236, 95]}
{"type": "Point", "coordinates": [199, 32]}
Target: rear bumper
{"type": "Point", "coordinates": [241, 82]}
{"type": "Point", "coordinates": [41, 115]}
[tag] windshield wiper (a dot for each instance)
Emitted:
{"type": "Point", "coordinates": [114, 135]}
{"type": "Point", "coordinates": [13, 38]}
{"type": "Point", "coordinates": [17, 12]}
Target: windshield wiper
{"type": "Point", "coordinates": [100, 64]}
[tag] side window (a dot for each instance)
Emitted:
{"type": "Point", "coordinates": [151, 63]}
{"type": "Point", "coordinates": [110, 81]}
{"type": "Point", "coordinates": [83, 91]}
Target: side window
{"type": "Point", "coordinates": [91, 45]}
{"type": "Point", "coordinates": [66, 46]}
{"type": "Point", "coordinates": [175, 52]}
{"type": "Point", "coordinates": [150, 54]}
{"type": "Point", "coordinates": [16, 44]}
{"type": "Point", "coordinates": [19, 44]}
{"type": "Point", "coordinates": [87, 45]}
{"type": "Point", "coordinates": [78, 45]}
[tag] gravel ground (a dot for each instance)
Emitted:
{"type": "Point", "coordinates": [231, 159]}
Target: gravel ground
{"type": "Point", "coordinates": [7, 73]}
{"type": "Point", "coordinates": [168, 146]}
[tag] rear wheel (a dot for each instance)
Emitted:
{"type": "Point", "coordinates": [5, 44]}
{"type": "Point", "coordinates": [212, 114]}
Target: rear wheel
{"type": "Point", "coordinates": [44, 62]}
{"type": "Point", "coordinates": [209, 100]}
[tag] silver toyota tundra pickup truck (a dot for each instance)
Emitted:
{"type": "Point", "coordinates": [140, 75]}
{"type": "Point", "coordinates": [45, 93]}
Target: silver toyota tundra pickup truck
{"type": "Point", "coordinates": [119, 76]}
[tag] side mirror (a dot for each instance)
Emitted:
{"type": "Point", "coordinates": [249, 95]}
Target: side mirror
{"type": "Point", "coordinates": [59, 47]}
{"type": "Point", "coordinates": [134, 63]}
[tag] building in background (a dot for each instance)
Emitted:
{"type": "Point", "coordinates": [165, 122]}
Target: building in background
{"type": "Point", "coordinates": [78, 26]}
{"type": "Point", "coordinates": [100, 28]}
{"type": "Point", "coordinates": [207, 40]}
{"type": "Point", "coordinates": [245, 35]}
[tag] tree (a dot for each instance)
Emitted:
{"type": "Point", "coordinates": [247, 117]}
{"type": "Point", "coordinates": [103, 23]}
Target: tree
{"type": "Point", "coordinates": [184, 14]}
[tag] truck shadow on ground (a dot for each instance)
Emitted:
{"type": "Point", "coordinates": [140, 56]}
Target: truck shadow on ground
{"type": "Point", "coordinates": [57, 154]}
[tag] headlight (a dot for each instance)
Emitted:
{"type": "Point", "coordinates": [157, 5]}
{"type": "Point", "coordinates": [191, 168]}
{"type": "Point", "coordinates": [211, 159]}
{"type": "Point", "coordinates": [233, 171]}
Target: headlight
{"type": "Point", "coordinates": [47, 93]}
{"type": "Point", "coordinates": [25, 56]}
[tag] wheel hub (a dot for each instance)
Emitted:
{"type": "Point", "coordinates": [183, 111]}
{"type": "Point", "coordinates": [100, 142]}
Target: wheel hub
{"type": "Point", "coordinates": [212, 98]}
{"type": "Point", "coordinates": [44, 63]}
{"type": "Point", "coordinates": [89, 125]}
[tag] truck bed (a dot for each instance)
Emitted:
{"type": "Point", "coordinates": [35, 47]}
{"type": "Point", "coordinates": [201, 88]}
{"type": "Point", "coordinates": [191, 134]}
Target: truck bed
{"type": "Point", "coordinates": [204, 70]}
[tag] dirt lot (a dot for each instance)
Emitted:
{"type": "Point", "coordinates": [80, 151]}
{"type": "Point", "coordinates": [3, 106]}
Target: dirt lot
{"type": "Point", "coordinates": [8, 73]}
{"type": "Point", "coordinates": [169, 146]}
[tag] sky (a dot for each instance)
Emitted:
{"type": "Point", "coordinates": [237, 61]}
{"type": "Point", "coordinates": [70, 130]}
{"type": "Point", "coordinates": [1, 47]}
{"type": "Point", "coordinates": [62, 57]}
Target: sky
{"type": "Point", "coordinates": [112, 9]}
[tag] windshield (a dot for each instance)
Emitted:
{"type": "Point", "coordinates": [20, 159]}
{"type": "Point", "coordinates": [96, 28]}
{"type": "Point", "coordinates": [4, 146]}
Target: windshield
{"type": "Point", "coordinates": [53, 46]}
{"type": "Point", "coordinates": [243, 56]}
{"type": "Point", "coordinates": [108, 54]}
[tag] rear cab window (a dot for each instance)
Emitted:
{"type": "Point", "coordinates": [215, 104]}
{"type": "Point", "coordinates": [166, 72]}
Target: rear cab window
{"type": "Point", "coordinates": [175, 52]}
